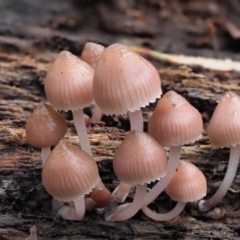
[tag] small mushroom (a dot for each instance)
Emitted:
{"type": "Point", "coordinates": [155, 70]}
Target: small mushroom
{"type": "Point", "coordinates": [123, 83]}
{"type": "Point", "coordinates": [139, 160]}
{"type": "Point", "coordinates": [91, 54]}
{"type": "Point", "coordinates": [68, 175]}
{"type": "Point", "coordinates": [174, 122]}
{"type": "Point", "coordinates": [45, 128]}
{"type": "Point", "coordinates": [224, 131]}
{"type": "Point", "coordinates": [188, 185]}
{"type": "Point", "coordinates": [68, 86]}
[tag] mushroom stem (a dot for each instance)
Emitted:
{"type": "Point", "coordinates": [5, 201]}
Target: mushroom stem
{"type": "Point", "coordinates": [97, 114]}
{"type": "Point", "coordinates": [79, 123]}
{"type": "Point", "coordinates": [136, 120]}
{"type": "Point", "coordinates": [80, 208]}
{"type": "Point", "coordinates": [174, 157]}
{"type": "Point", "coordinates": [164, 216]}
{"type": "Point", "coordinates": [44, 154]}
{"type": "Point", "coordinates": [69, 213]}
{"type": "Point", "coordinates": [205, 205]}
{"type": "Point", "coordinates": [121, 215]}
{"type": "Point", "coordinates": [121, 192]}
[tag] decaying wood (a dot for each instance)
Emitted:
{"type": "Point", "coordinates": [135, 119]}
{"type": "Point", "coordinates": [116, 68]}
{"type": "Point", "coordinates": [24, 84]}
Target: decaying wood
{"type": "Point", "coordinates": [23, 200]}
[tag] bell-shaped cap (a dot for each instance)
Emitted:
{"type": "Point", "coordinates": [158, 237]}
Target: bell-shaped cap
{"type": "Point", "coordinates": [45, 127]}
{"type": "Point", "coordinates": [91, 53]}
{"type": "Point", "coordinates": [224, 126]}
{"type": "Point", "coordinates": [188, 184]}
{"type": "Point", "coordinates": [175, 121]}
{"type": "Point", "coordinates": [69, 173]}
{"type": "Point", "coordinates": [68, 84]}
{"type": "Point", "coordinates": [139, 159]}
{"type": "Point", "coordinates": [124, 81]}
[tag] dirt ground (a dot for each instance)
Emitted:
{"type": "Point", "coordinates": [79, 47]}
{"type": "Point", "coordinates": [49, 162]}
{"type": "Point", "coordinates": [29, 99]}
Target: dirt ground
{"type": "Point", "coordinates": [32, 33]}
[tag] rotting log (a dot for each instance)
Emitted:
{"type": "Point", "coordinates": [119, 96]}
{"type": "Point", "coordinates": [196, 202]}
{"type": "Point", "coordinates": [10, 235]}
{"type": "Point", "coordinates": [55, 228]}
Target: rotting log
{"type": "Point", "coordinates": [27, 52]}
{"type": "Point", "coordinates": [24, 201]}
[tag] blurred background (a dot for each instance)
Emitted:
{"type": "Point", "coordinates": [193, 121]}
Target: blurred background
{"type": "Point", "coordinates": [207, 28]}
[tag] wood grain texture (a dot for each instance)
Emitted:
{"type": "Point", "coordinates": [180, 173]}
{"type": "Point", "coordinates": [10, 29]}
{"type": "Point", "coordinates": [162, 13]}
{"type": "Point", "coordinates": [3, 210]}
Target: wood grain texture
{"type": "Point", "coordinates": [31, 35]}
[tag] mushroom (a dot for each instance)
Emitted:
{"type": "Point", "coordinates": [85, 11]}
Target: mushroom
{"type": "Point", "coordinates": [68, 175]}
{"type": "Point", "coordinates": [91, 54]}
{"type": "Point", "coordinates": [68, 86]}
{"type": "Point", "coordinates": [44, 128]}
{"type": "Point", "coordinates": [224, 131]}
{"type": "Point", "coordinates": [174, 122]}
{"type": "Point", "coordinates": [101, 196]}
{"type": "Point", "coordinates": [123, 83]}
{"type": "Point", "coordinates": [188, 185]}
{"type": "Point", "coordinates": [139, 160]}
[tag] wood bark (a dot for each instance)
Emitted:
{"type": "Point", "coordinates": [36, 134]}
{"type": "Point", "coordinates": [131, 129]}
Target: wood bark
{"type": "Point", "coordinates": [31, 35]}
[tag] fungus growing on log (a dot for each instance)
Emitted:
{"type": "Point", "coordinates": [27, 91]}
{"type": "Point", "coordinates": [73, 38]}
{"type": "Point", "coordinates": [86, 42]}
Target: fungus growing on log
{"type": "Point", "coordinates": [174, 122]}
{"type": "Point", "coordinates": [224, 131]}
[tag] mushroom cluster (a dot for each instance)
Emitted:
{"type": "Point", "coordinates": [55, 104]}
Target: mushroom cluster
{"type": "Point", "coordinates": [119, 81]}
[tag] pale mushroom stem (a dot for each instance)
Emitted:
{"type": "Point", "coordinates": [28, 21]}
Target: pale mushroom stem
{"type": "Point", "coordinates": [97, 114]}
{"type": "Point", "coordinates": [77, 213]}
{"type": "Point", "coordinates": [164, 216]}
{"type": "Point", "coordinates": [174, 157]}
{"type": "Point", "coordinates": [79, 123]}
{"type": "Point", "coordinates": [121, 192]}
{"type": "Point", "coordinates": [205, 205]}
{"type": "Point", "coordinates": [131, 209]}
{"type": "Point", "coordinates": [44, 154]}
{"type": "Point", "coordinates": [80, 208]}
{"type": "Point", "coordinates": [136, 120]}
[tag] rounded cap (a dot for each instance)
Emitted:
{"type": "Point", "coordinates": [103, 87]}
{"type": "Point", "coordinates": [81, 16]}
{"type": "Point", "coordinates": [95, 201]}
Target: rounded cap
{"type": "Point", "coordinates": [92, 53]}
{"type": "Point", "coordinates": [224, 127]}
{"type": "Point", "coordinates": [188, 184]}
{"type": "Point", "coordinates": [68, 84]}
{"type": "Point", "coordinates": [175, 121]}
{"type": "Point", "coordinates": [45, 127]}
{"type": "Point", "coordinates": [139, 159]}
{"type": "Point", "coordinates": [124, 81]}
{"type": "Point", "coordinates": [69, 173]}
{"type": "Point", "coordinates": [101, 196]}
